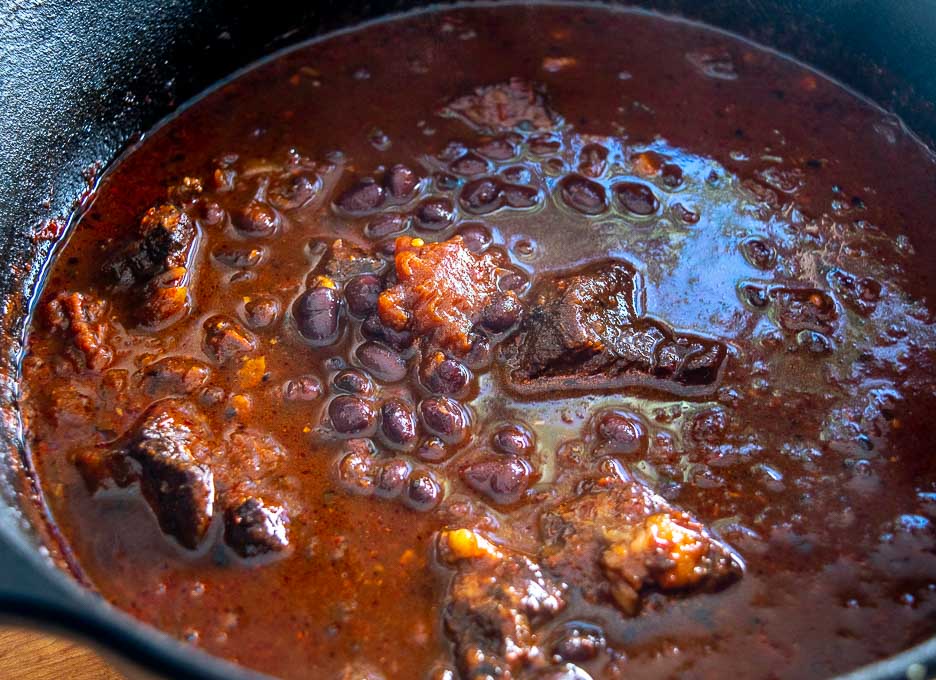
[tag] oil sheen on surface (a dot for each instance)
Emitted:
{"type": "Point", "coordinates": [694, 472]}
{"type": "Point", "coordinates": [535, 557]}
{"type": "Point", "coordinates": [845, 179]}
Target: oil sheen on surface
{"type": "Point", "coordinates": [663, 410]}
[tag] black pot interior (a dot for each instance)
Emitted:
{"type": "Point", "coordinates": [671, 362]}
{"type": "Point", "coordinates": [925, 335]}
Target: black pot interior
{"type": "Point", "coordinates": [80, 81]}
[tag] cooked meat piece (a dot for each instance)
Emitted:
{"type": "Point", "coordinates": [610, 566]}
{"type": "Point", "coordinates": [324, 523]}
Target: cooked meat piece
{"type": "Point", "coordinates": [344, 260]}
{"type": "Point", "coordinates": [443, 290]}
{"type": "Point", "coordinates": [496, 600]}
{"type": "Point", "coordinates": [167, 452]}
{"type": "Point", "coordinates": [225, 339]}
{"type": "Point", "coordinates": [156, 265]}
{"type": "Point", "coordinates": [165, 299]}
{"type": "Point", "coordinates": [803, 309]}
{"type": "Point", "coordinates": [82, 319]}
{"type": "Point", "coordinates": [254, 528]}
{"type": "Point", "coordinates": [617, 540]}
{"type": "Point", "coordinates": [584, 333]}
{"type": "Point", "coordinates": [503, 107]}
{"type": "Point", "coordinates": [166, 239]}
{"type": "Point", "coordinates": [174, 376]}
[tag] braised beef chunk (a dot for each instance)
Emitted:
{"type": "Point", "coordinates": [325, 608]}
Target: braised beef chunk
{"type": "Point", "coordinates": [618, 540]}
{"type": "Point", "coordinates": [344, 260]}
{"type": "Point", "coordinates": [504, 107]}
{"type": "Point", "coordinates": [496, 600]}
{"type": "Point", "coordinates": [174, 376]}
{"type": "Point", "coordinates": [254, 528]}
{"type": "Point", "coordinates": [155, 267]}
{"type": "Point", "coordinates": [166, 239]}
{"type": "Point", "coordinates": [443, 290]}
{"type": "Point", "coordinates": [82, 319]}
{"type": "Point", "coordinates": [584, 333]}
{"type": "Point", "coordinates": [167, 452]}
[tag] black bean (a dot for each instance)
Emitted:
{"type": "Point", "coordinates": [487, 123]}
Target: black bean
{"type": "Point", "coordinates": [401, 181]}
{"type": "Point", "coordinates": [514, 439]}
{"type": "Point", "coordinates": [593, 160]}
{"type": "Point", "coordinates": [482, 195]}
{"type": "Point", "coordinates": [211, 213]}
{"type": "Point", "coordinates": [636, 198]}
{"type": "Point", "coordinates": [363, 197]}
{"type": "Point", "coordinates": [445, 376]}
{"type": "Point", "coordinates": [503, 479]}
{"type": "Point", "coordinates": [480, 356]}
{"type": "Point", "coordinates": [398, 424]}
{"type": "Point", "coordinates": [497, 149]}
{"type": "Point", "coordinates": [423, 492]}
{"type": "Point", "coordinates": [519, 196]}
{"type": "Point", "coordinates": [318, 315]}
{"type": "Point", "coordinates": [256, 219]}
{"type": "Point", "coordinates": [291, 192]}
{"type": "Point", "coordinates": [578, 641]}
{"type": "Point", "coordinates": [302, 388]}
{"type": "Point", "coordinates": [238, 257]}
{"type": "Point", "coordinates": [583, 195]}
{"type": "Point", "coordinates": [760, 253]}
{"type": "Point", "coordinates": [357, 467]}
{"type": "Point", "coordinates": [443, 417]}
{"type": "Point", "coordinates": [353, 381]}
{"type": "Point", "coordinates": [361, 294]}
{"type": "Point", "coordinates": [386, 225]}
{"type": "Point", "coordinates": [513, 281]}
{"type": "Point", "coordinates": [622, 432]}
{"type": "Point", "coordinates": [383, 363]}
{"type": "Point", "coordinates": [708, 426]}
{"type": "Point", "coordinates": [432, 450]}
{"type": "Point", "coordinates": [671, 175]}
{"type": "Point", "coordinates": [476, 236]}
{"type": "Point", "coordinates": [501, 313]}
{"type": "Point", "coordinates": [469, 165]}
{"type": "Point", "coordinates": [434, 214]}
{"type": "Point", "coordinates": [261, 312]}
{"type": "Point", "coordinates": [351, 415]}
{"type": "Point", "coordinates": [373, 329]}
{"type": "Point", "coordinates": [392, 477]}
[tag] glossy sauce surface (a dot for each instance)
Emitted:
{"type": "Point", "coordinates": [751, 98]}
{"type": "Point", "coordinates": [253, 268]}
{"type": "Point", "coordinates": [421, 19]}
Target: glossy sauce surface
{"type": "Point", "coordinates": [410, 410]}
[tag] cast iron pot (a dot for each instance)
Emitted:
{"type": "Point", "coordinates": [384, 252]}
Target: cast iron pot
{"type": "Point", "coordinates": [81, 80]}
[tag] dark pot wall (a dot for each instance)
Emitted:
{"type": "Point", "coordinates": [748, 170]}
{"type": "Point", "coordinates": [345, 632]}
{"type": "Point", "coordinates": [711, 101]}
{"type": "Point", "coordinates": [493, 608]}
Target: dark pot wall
{"type": "Point", "coordinates": [81, 80]}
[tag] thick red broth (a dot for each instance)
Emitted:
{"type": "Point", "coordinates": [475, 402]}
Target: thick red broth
{"type": "Point", "coordinates": [505, 342]}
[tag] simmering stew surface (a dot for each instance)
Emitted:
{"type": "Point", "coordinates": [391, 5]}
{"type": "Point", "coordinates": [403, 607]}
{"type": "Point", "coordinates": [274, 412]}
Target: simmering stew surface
{"type": "Point", "coordinates": [524, 341]}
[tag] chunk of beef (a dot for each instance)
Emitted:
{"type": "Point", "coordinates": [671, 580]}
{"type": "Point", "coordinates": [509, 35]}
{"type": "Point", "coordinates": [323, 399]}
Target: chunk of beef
{"type": "Point", "coordinates": [174, 376]}
{"type": "Point", "coordinates": [620, 540]}
{"type": "Point", "coordinates": [443, 290]}
{"type": "Point", "coordinates": [585, 333]}
{"type": "Point", "coordinates": [165, 299]}
{"type": "Point", "coordinates": [226, 339]}
{"type": "Point", "coordinates": [156, 266]}
{"type": "Point", "coordinates": [342, 260]}
{"type": "Point", "coordinates": [503, 107]}
{"type": "Point", "coordinates": [252, 489]}
{"type": "Point", "coordinates": [253, 528]}
{"type": "Point", "coordinates": [166, 239]}
{"type": "Point", "coordinates": [168, 453]}
{"type": "Point", "coordinates": [81, 319]}
{"type": "Point", "coordinates": [496, 600]}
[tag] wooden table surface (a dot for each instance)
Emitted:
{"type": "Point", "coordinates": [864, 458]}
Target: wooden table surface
{"type": "Point", "coordinates": [25, 655]}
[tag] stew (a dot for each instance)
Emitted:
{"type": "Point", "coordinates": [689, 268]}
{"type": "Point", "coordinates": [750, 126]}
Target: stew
{"type": "Point", "coordinates": [505, 342]}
